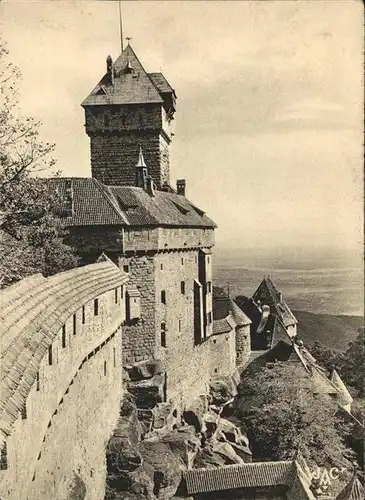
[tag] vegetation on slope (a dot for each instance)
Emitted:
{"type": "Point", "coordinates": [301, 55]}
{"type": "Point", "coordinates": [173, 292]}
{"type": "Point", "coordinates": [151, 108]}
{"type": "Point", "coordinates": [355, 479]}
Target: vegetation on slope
{"type": "Point", "coordinates": [335, 332]}
{"type": "Point", "coordinates": [282, 417]}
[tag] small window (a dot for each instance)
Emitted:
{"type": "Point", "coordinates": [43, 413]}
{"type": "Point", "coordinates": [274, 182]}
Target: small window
{"type": "Point", "coordinates": [163, 297]}
{"type": "Point", "coordinates": [182, 287]}
{"type": "Point", "coordinates": [209, 318]}
{"type": "Point", "coordinates": [50, 359]}
{"type": "Point", "coordinates": [96, 307]}
{"type": "Point", "coordinates": [121, 292]}
{"type": "Point", "coordinates": [161, 267]}
{"type": "Point", "coordinates": [83, 315]}
{"type": "Point", "coordinates": [179, 325]}
{"type": "Point", "coordinates": [114, 357]}
{"type": "Point", "coordinates": [23, 411]}
{"type": "Point", "coordinates": [209, 287]}
{"type": "Point", "coordinates": [37, 382]}
{"type": "Point", "coordinates": [182, 261]}
{"type": "Point", "coordinates": [64, 336]}
{"type": "Point", "coordinates": [74, 326]}
{"type": "Point", "coordinates": [163, 335]}
{"type": "Point", "coordinates": [104, 368]}
{"type": "Point", "coordinates": [126, 268]}
{"type": "Point", "coordinates": [208, 260]}
{"type": "Point", "coordinates": [116, 295]}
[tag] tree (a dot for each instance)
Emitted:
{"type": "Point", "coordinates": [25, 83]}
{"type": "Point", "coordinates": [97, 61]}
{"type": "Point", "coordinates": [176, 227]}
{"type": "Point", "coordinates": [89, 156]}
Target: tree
{"type": "Point", "coordinates": [351, 364]}
{"type": "Point", "coordinates": [282, 415]}
{"type": "Point", "coordinates": [325, 357]}
{"type": "Point", "coordinates": [31, 235]}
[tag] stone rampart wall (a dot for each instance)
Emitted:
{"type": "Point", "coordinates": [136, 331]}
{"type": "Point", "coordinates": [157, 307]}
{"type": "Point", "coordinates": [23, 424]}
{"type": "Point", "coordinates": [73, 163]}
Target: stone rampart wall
{"type": "Point", "coordinates": [71, 410]}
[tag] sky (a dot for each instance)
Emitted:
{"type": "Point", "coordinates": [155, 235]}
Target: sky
{"type": "Point", "coordinates": [269, 121]}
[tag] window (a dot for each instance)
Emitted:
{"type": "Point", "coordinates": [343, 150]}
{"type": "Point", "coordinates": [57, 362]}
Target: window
{"type": "Point", "coordinates": [208, 260]}
{"type": "Point", "coordinates": [116, 295]}
{"type": "Point", "coordinates": [163, 297]}
{"type": "Point", "coordinates": [23, 411]}
{"type": "Point", "coordinates": [182, 287]}
{"type": "Point", "coordinates": [37, 382]}
{"type": "Point", "coordinates": [161, 267]}
{"type": "Point", "coordinates": [179, 325]}
{"type": "Point", "coordinates": [163, 334]}
{"type": "Point", "coordinates": [209, 318]}
{"type": "Point", "coordinates": [83, 315]}
{"type": "Point", "coordinates": [74, 324]}
{"type": "Point", "coordinates": [126, 268]}
{"type": "Point", "coordinates": [64, 336]}
{"type": "Point", "coordinates": [209, 287]}
{"type": "Point", "coordinates": [96, 307]}
{"type": "Point", "coordinates": [114, 357]}
{"type": "Point", "coordinates": [50, 360]}
{"type": "Point", "coordinates": [121, 292]}
{"type": "Point", "coordinates": [182, 261]}
{"type": "Point", "coordinates": [104, 368]}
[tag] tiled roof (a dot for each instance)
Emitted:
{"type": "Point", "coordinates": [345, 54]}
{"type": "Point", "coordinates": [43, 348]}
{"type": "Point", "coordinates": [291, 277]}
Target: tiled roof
{"type": "Point", "coordinates": [250, 475]}
{"type": "Point", "coordinates": [221, 326]}
{"type": "Point", "coordinates": [352, 491]}
{"type": "Point", "coordinates": [160, 82]}
{"type": "Point", "coordinates": [94, 204]}
{"type": "Point", "coordinates": [32, 312]}
{"type": "Point", "coordinates": [129, 87]}
{"type": "Point", "coordinates": [224, 306]}
{"type": "Point", "coordinates": [272, 298]}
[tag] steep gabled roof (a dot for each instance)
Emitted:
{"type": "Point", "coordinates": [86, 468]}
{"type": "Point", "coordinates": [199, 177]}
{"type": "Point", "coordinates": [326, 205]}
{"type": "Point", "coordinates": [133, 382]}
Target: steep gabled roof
{"type": "Point", "coordinates": [132, 85]}
{"type": "Point", "coordinates": [161, 83]}
{"type": "Point", "coordinates": [268, 294]}
{"type": "Point", "coordinates": [95, 204]}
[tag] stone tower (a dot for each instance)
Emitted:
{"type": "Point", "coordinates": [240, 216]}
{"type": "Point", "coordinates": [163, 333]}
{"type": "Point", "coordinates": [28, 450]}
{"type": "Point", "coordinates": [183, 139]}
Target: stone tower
{"type": "Point", "coordinates": [128, 110]}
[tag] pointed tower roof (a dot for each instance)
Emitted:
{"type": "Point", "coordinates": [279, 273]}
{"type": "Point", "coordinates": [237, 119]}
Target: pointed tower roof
{"type": "Point", "coordinates": [336, 380]}
{"type": "Point", "coordinates": [130, 84]}
{"type": "Point", "coordinates": [141, 162]}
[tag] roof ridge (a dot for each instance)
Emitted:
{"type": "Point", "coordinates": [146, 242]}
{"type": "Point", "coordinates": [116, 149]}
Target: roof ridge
{"type": "Point", "coordinates": [103, 188]}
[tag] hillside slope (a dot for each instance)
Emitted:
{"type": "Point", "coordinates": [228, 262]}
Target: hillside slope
{"type": "Point", "coordinates": [334, 332]}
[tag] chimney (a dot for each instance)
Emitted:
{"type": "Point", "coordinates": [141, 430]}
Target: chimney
{"type": "Point", "coordinates": [109, 69]}
{"type": "Point", "coordinates": [180, 186]}
{"type": "Point", "coordinates": [150, 186]}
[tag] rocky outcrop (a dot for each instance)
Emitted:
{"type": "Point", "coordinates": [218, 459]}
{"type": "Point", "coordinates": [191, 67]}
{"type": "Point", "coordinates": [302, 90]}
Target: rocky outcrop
{"type": "Point", "coordinates": [153, 444]}
{"type": "Point", "coordinates": [77, 488]}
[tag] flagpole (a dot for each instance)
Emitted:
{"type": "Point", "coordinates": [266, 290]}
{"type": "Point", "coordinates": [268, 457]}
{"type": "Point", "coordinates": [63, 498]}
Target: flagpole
{"type": "Point", "coordinates": [120, 24]}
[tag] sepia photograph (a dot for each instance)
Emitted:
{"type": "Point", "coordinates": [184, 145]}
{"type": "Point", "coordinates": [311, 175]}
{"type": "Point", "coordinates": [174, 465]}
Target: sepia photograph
{"type": "Point", "coordinates": [182, 250]}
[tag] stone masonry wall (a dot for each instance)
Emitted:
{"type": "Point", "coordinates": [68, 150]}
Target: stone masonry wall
{"type": "Point", "coordinates": [139, 337]}
{"type": "Point", "coordinates": [72, 410]}
{"type": "Point", "coordinates": [243, 344]}
{"type": "Point", "coordinates": [116, 135]}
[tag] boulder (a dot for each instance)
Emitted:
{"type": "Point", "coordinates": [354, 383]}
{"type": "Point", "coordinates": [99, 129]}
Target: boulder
{"type": "Point", "coordinates": [227, 452]}
{"type": "Point", "coordinates": [145, 369]}
{"type": "Point", "coordinates": [207, 459]}
{"type": "Point", "coordinates": [76, 488]}
{"type": "Point", "coordinates": [164, 416]}
{"type": "Point", "coordinates": [193, 414]}
{"type": "Point", "coordinates": [135, 485]}
{"type": "Point", "coordinates": [166, 467]}
{"type": "Point", "coordinates": [222, 391]}
{"type": "Point", "coordinates": [148, 392]}
{"type": "Point", "coordinates": [184, 444]}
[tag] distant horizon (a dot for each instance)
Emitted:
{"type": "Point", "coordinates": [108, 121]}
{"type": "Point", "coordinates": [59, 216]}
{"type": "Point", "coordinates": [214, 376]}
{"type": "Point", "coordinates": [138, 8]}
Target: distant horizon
{"type": "Point", "coordinates": [269, 119]}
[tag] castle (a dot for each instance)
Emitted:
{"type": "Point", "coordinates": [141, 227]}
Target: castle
{"type": "Point", "coordinates": [138, 316]}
